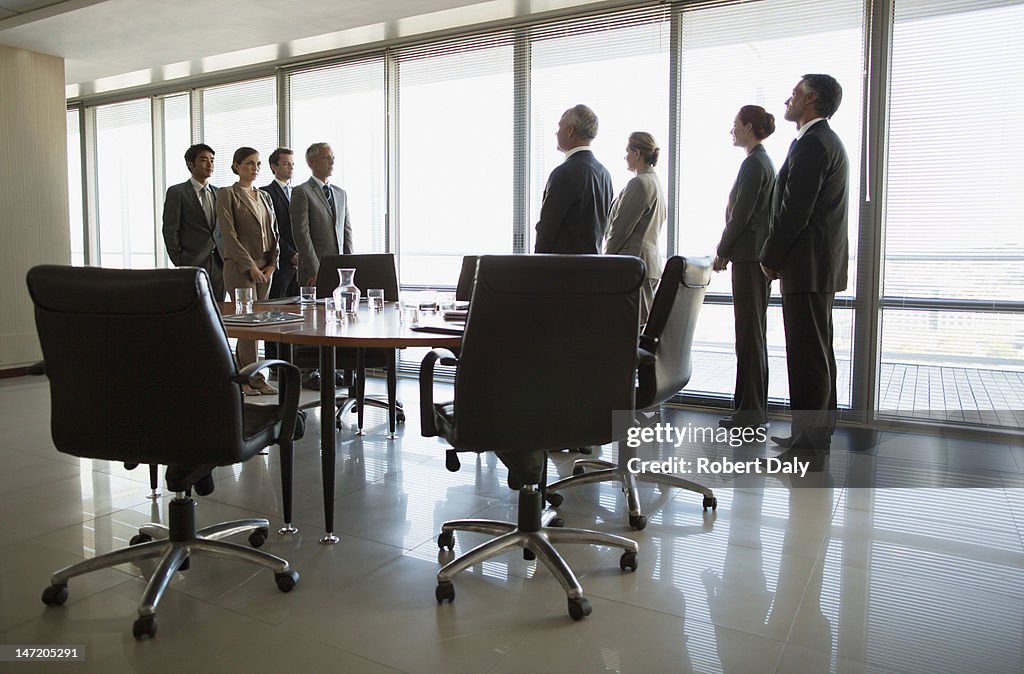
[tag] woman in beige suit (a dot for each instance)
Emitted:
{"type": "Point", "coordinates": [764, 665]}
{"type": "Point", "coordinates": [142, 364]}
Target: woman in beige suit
{"type": "Point", "coordinates": [249, 231]}
{"type": "Point", "coordinates": [638, 213]}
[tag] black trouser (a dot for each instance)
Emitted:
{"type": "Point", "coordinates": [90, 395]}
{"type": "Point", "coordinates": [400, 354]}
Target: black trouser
{"type": "Point", "coordinates": [283, 284]}
{"type": "Point", "coordinates": [811, 363]}
{"type": "Point", "coordinates": [750, 289]}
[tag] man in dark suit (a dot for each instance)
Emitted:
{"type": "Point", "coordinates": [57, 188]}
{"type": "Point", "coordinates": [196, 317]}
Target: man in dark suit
{"type": "Point", "coordinates": [808, 251]}
{"type": "Point", "coordinates": [283, 283]}
{"type": "Point", "coordinates": [282, 163]}
{"type": "Point", "coordinates": [319, 215]}
{"type": "Point", "coordinates": [190, 220]}
{"type": "Point", "coordinates": [578, 196]}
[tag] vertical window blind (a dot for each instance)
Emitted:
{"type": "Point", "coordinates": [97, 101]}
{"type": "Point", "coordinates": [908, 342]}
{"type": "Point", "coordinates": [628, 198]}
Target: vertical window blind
{"type": "Point", "coordinates": [344, 105]}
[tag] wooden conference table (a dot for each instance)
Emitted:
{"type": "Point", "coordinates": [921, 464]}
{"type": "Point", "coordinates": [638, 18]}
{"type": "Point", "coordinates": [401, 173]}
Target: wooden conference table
{"type": "Point", "coordinates": [365, 330]}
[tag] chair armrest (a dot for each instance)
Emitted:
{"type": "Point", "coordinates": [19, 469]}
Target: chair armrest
{"type": "Point", "coordinates": [37, 368]}
{"type": "Point", "coordinates": [645, 357]}
{"type": "Point", "coordinates": [649, 344]}
{"type": "Point", "coordinates": [427, 426]}
{"type": "Point", "coordinates": [289, 386]}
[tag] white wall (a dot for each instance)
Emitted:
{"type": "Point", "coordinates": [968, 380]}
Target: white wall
{"type": "Point", "coordinates": [33, 189]}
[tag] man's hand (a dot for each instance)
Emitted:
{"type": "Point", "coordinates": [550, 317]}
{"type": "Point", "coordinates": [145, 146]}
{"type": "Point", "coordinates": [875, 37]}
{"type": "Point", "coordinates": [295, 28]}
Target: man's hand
{"type": "Point", "coordinates": [311, 281]}
{"type": "Point", "coordinates": [771, 274]}
{"type": "Point", "coordinates": [719, 264]}
{"type": "Point", "coordinates": [295, 260]}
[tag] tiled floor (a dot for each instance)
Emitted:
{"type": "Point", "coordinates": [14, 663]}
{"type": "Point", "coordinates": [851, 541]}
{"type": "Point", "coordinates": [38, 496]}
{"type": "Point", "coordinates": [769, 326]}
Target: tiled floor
{"type": "Point", "coordinates": [905, 556]}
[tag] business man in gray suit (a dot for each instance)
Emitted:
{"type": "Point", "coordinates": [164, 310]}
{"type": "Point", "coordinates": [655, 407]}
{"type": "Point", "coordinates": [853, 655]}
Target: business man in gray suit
{"type": "Point", "coordinates": [578, 195]}
{"type": "Point", "coordinates": [319, 214]}
{"type": "Point", "coordinates": [190, 220]}
{"type": "Point", "coordinates": [808, 251]}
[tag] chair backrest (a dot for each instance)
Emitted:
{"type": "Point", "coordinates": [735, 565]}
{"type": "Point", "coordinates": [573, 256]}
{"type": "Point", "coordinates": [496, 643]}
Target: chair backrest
{"type": "Point", "coordinates": [548, 353]}
{"type": "Point", "coordinates": [669, 330]}
{"type": "Point", "coordinates": [467, 277]}
{"type": "Point", "coordinates": [373, 270]}
{"type": "Point", "coordinates": [139, 365]}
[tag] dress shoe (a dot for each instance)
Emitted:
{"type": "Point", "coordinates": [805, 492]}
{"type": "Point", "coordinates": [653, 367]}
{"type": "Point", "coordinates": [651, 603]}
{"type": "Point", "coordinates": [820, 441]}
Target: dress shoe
{"type": "Point", "coordinates": [311, 380]}
{"type": "Point", "coordinates": [731, 422]}
{"type": "Point", "coordinates": [266, 389]}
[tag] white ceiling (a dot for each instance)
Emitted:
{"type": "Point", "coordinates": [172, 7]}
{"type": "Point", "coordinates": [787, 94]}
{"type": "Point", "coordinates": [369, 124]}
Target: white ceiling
{"type": "Point", "coordinates": [114, 44]}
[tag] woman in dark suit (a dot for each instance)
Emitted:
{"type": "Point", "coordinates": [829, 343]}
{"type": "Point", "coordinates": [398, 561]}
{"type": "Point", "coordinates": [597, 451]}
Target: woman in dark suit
{"type": "Point", "coordinates": [747, 219]}
{"type": "Point", "coordinates": [249, 233]}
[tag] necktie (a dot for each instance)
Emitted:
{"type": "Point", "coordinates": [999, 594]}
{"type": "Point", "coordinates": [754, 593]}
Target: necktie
{"type": "Point", "coordinates": [207, 202]}
{"type": "Point", "coordinates": [330, 201]}
{"type": "Point", "coordinates": [288, 192]}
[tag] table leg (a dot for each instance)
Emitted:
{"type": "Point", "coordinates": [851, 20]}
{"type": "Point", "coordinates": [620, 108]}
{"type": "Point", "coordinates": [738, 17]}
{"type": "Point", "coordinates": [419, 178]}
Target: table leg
{"type": "Point", "coordinates": [327, 430]}
{"type": "Point", "coordinates": [284, 352]}
{"type": "Point", "coordinates": [392, 391]}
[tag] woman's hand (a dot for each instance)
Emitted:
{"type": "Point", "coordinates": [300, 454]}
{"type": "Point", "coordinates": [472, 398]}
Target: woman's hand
{"type": "Point", "coordinates": [268, 271]}
{"type": "Point", "coordinates": [256, 274]}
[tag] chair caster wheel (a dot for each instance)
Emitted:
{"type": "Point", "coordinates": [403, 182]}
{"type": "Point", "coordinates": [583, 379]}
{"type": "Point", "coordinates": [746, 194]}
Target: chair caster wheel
{"type": "Point", "coordinates": [287, 581]}
{"type": "Point", "coordinates": [444, 590]}
{"type": "Point", "coordinates": [446, 540]}
{"type": "Point", "coordinates": [258, 538]}
{"type": "Point", "coordinates": [139, 538]}
{"type": "Point", "coordinates": [55, 595]}
{"type": "Point", "coordinates": [400, 417]}
{"type": "Point", "coordinates": [584, 450]}
{"type": "Point", "coordinates": [529, 555]}
{"type": "Point", "coordinates": [554, 499]}
{"type": "Point", "coordinates": [144, 627]}
{"type": "Point", "coordinates": [578, 470]}
{"type": "Point", "coordinates": [579, 608]}
{"type": "Point", "coordinates": [185, 564]}
{"type": "Point", "coordinates": [557, 522]}
{"type": "Point", "coordinates": [627, 562]}
{"type": "Point", "coordinates": [710, 502]}
{"type": "Point", "coordinates": [638, 522]}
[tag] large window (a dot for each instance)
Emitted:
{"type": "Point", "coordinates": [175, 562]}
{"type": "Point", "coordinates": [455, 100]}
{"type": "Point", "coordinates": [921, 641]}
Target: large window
{"type": "Point", "coordinates": [75, 216]}
{"type": "Point", "coordinates": [240, 115]}
{"type": "Point", "coordinates": [344, 105]}
{"type": "Point", "coordinates": [953, 269]}
{"type": "Point", "coordinates": [177, 137]}
{"type": "Point", "coordinates": [124, 176]}
{"type": "Point", "coordinates": [754, 53]}
{"type": "Point", "coordinates": [620, 70]}
{"type": "Point", "coordinates": [455, 168]}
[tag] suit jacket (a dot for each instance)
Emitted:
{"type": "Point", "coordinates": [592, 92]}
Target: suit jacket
{"type": "Point", "coordinates": [749, 211]}
{"type": "Point", "coordinates": [635, 221]}
{"type": "Point", "coordinates": [189, 238]}
{"type": "Point", "coordinates": [574, 214]}
{"type": "Point", "coordinates": [284, 225]}
{"type": "Point", "coordinates": [248, 237]}
{"type": "Point", "coordinates": [808, 243]}
{"type": "Point", "coordinates": [315, 231]}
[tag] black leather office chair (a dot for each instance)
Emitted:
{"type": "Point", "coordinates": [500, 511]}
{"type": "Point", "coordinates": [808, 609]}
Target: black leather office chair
{"type": "Point", "coordinates": [664, 368]}
{"type": "Point", "coordinates": [373, 270]}
{"type": "Point", "coordinates": [549, 351]}
{"type": "Point", "coordinates": [467, 277]}
{"type": "Point", "coordinates": [153, 340]}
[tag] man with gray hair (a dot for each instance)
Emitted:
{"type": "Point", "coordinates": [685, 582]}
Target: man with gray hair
{"type": "Point", "coordinates": [319, 215]}
{"type": "Point", "coordinates": [578, 195]}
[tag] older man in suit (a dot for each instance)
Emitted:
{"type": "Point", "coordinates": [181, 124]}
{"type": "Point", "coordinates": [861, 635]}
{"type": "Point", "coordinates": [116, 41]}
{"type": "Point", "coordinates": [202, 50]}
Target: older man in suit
{"type": "Point", "coordinates": [578, 195]}
{"type": "Point", "coordinates": [282, 163]}
{"type": "Point", "coordinates": [190, 221]}
{"type": "Point", "coordinates": [319, 215]}
{"type": "Point", "coordinates": [808, 251]}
